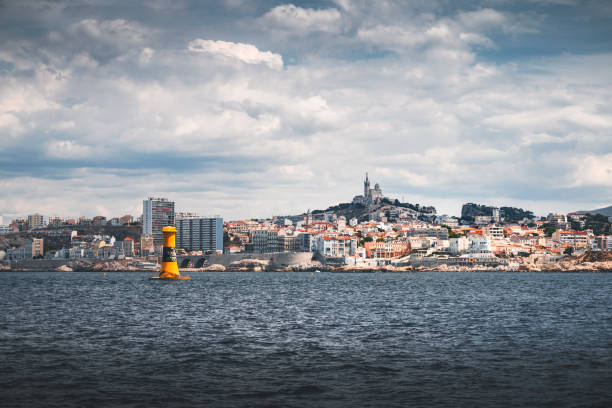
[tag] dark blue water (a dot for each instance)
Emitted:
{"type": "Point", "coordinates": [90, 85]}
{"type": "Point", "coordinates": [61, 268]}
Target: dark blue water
{"type": "Point", "coordinates": [293, 339]}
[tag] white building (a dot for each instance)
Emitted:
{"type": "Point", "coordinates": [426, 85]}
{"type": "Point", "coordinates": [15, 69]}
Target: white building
{"type": "Point", "coordinates": [340, 246]}
{"type": "Point", "coordinates": [478, 245]}
{"type": "Point", "coordinates": [494, 232]}
{"type": "Point", "coordinates": [458, 245]}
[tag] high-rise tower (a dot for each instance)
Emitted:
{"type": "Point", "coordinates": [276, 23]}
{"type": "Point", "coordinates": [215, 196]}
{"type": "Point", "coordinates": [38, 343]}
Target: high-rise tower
{"type": "Point", "coordinates": [157, 213]}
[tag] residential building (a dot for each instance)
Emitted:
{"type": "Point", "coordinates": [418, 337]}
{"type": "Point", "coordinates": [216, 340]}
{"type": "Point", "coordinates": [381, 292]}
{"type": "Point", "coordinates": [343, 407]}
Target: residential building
{"type": "Point", "coordinates": [200, 234]}
{"type": "Point", "coordinates": [98, 220]}
{"type": "Point", "coordinates": [603, 242]}
{"type": "Point", "coordinates": [573, 238]}
{"type": "Point", "coordinates": [128, 247]}
{"type": "Point", "coordinates": [494, 232]}
{"type": "Point", "coordinates": [458, 245]}
{"type": "Point", "coordinates": [157, 213]}
{"type": "Point", "coordinates": [34, 248]}
{"type": "Point", "coordinates": [437, 232]}
{"type": "Point", "coordinates": [390, 249]}
{"type": "Point", "coordinates": [479, 245]}
{"type": "Point", "coordinates": [335, 246]}
{"type": "Point", "coordinates": [35, 221]}
{"type": "Point", "coordinates": [482, 219]}
{"type": "Point", "coordinates": [265, 241]}
{"type": "Point", "coordinates": [559, 220]}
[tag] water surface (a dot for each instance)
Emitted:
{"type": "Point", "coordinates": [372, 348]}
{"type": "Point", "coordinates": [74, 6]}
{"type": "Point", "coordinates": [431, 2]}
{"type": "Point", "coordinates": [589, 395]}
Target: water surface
{"type": "Point", "coordinates": [296, 339]}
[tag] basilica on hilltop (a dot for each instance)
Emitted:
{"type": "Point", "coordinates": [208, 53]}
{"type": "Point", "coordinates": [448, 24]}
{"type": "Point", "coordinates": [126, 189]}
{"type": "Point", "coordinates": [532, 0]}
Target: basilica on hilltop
{"type": "Point", "coordinates": [370, 195]}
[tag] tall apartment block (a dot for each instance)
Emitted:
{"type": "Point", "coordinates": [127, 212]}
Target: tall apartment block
{"type": "Point", "coordinates": [199, 234]}
{"type": "Point", "coordinates": [35, 221]}
{"type": "Point", "coordinates": [157, 213]}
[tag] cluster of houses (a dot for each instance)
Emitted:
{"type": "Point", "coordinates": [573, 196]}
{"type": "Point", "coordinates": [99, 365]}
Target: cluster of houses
{"type": "Point", "coordinates": [335, 240]}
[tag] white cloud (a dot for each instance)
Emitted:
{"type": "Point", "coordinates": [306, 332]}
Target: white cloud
{"type": "Point", "coordinates": [593, 170]}
{"type": "Point", "coordinates": [246, 53]}
{"type": "Point", "coordinates": [118, 30]}
{"type": "Point", "coordinates": [302, 20]}
{"type": "Point", "coordinates": [67, 149]}
{"type": "Point", "coordinates": [225, 127]}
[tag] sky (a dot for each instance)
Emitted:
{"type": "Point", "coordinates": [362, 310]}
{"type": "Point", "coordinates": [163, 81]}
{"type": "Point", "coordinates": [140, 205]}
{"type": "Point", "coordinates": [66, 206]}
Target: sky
{"type": "Point", "coordinates": [249, 109]}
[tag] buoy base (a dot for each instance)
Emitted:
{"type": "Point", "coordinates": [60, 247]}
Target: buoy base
{"type": "Point", "coordinates": [176, 277]}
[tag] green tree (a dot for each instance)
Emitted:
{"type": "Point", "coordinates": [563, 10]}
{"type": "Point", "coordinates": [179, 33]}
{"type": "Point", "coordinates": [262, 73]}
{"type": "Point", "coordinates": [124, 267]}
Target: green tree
{"type": "Point", "coordinates": [548, 229]}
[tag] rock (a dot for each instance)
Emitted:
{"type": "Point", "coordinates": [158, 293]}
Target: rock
{"type": "Point", "coordinates": [63, 268]}
{"type": "Point", "coordinates": [214, 268]}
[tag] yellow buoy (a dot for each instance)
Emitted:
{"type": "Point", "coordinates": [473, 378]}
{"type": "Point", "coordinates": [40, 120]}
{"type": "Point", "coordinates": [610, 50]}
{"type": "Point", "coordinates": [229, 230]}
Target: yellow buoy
{"type": "Point", "coordinates": [169, 268]}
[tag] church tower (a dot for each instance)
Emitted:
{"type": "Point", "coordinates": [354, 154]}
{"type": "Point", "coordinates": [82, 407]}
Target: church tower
{"type": "Point", "coordinates": [366, 187]}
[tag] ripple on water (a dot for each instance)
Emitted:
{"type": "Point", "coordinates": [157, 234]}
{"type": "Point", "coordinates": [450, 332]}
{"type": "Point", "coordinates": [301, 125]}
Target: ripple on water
{"type": "Point", "coordinates": [290, 339]}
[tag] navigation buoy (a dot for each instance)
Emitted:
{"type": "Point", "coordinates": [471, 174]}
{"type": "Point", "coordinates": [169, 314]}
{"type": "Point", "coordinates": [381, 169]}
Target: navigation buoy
{"type": "Point", "coordinates": [169, 267]}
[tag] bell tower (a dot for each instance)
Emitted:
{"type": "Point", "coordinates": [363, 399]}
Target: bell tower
{"type": "Point", "coordinates": [366, 187]}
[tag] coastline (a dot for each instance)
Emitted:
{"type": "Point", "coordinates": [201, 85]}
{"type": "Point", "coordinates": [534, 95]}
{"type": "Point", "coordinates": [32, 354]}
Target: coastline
{"type": "Point", "coordinates": [588, 262]}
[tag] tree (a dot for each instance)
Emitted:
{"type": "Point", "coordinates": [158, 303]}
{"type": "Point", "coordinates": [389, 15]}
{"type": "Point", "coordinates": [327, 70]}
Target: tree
{"type": "Point", "coordinates": [575, 225]}
{"type": "Point", "coordinates": [380, 240]}
{"type": "Point", "coordinates": [451, 233]}
{"type": "Point", "coordinates": [368, 239]}
{"type": "Point", "coordinates": [548, 229]}
{"type": "Point", "coordinates": [568, 251]}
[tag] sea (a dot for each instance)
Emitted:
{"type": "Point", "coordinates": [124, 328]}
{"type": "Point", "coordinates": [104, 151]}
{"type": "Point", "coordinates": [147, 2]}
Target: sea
{"type": "Point", "coordinates": [306, 340]}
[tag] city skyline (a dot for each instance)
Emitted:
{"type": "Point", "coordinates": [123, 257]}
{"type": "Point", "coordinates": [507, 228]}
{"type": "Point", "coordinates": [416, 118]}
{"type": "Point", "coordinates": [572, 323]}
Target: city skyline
{"type": "Point", "coordinates": [254, 109]}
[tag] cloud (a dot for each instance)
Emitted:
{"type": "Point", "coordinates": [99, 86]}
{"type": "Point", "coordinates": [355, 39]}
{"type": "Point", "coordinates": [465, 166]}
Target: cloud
{"type": "Point", "coordinates": [435, 101]}
{"type": "Point", "coordinates": [302, 20]}
{"type": "Point", "coordinates": [246, 53]}
{"type": "Point", "coordinates": [593, 170]}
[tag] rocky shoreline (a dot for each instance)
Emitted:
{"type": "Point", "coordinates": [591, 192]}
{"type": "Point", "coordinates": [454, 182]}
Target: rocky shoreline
{"type": "Point", "coordinates": [255, 265]}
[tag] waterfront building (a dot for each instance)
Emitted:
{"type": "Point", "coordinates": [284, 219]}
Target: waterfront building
{"type": "Point", "coordinates": [128, 246]}
{"type": "Point", "coordinates": [573, 238]}
{"type": "Point", "coordinates": [157, 213]}
{"type": "Point", "coordinates": [479, 244]}
{"type": "Point", "coordinates": [458, 245]}
{"type": "Point", "coordinates": [603, 242]}
{"type": "Point", "coordinates": [34, 248]}
{"type": "Point", "coordinates": [265, 241]}
{"type": "Point", "coordinates": [35, 221]}
{"type": "Point", "coordinates": [386, 249]}
{"type": "Point", "coordinates": [335, 246]}
{"type": "Point", "coordinates": [16, 254]}
{"type": "Point", "coordinates": [200, 234]}
{"type": "Point", "coordinates": [147, 247]}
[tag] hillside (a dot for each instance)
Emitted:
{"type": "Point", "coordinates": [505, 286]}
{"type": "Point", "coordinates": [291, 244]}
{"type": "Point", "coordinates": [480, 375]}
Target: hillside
{"type": "Point", "coordinates": [607, 211]}
{"type": "Point", "coordinates": [386, 205]}
{"type": "Point", "coordinates": [510, 214]}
